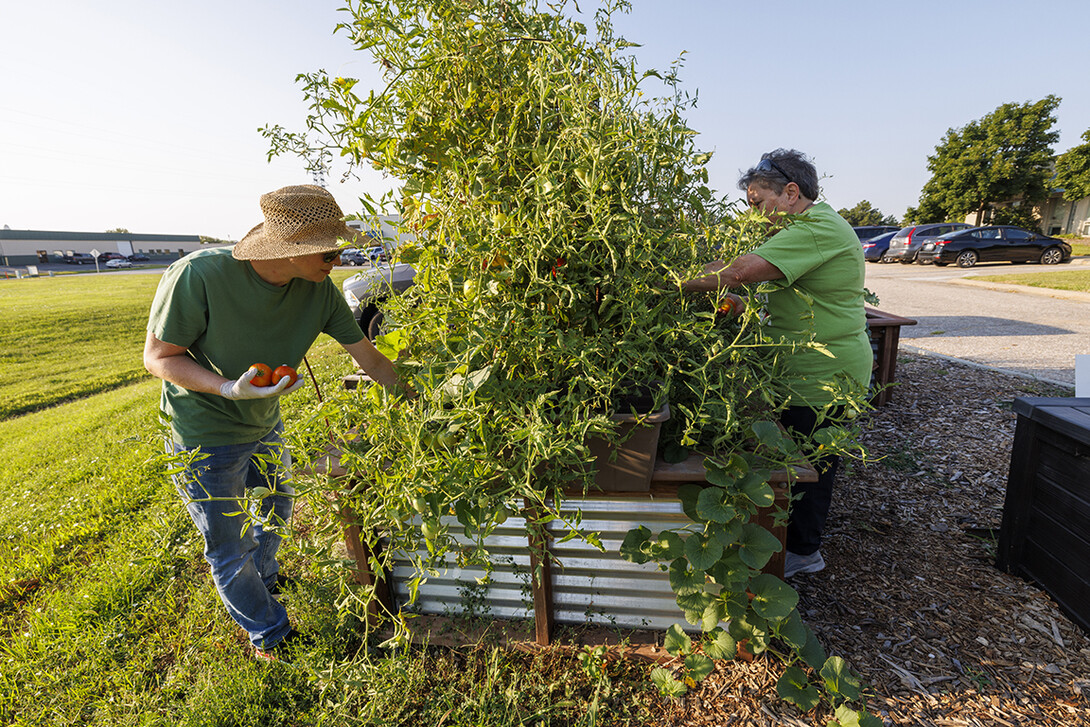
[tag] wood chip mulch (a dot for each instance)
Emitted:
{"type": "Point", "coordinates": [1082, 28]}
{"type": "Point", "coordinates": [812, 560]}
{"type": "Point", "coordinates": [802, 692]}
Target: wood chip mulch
{"type": "Point", "coordinates": [911, 597]}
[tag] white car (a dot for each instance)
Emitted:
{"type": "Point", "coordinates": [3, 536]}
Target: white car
{"type": "Point", "coordinates": [364, 291]}
{"type": "Point", "coordinates": [118, 263]}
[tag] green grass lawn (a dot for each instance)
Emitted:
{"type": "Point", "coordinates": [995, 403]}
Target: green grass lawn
{"type": "Point", "coordinates": [107, 614]}
{"type": "Point", "coordinates": [1078, 280]}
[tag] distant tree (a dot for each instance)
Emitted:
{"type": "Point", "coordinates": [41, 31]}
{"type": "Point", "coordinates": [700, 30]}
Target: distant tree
{"type": "Point", "coordinates": [928, 211]}
{"type": "Point", "coordinates": [1073, 170]}
{"type": "Point", "coordinates": [865, 214]}
{"type": "Point", "coordinates": [205, 240]}
{"type": "Point", "coordinates": [1004, 156]}
{"type": "Point", "coordinates": [118, 231]}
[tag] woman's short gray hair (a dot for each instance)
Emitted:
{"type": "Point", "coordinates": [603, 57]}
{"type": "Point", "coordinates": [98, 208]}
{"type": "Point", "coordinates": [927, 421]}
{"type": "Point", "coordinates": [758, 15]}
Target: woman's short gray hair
{"type": "Point", "coordinates": [781, 166]}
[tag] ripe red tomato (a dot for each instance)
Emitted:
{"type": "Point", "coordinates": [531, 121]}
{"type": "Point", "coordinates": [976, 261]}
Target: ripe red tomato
{"type": "Point", "coordinates": [264, 375]}
{"type": "Point", "coordinates": [284, 370]}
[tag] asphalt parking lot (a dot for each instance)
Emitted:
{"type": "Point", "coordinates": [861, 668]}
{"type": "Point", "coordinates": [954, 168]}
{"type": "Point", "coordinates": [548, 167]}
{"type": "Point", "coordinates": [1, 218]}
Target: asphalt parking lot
{"type": "Point", "coordinates": [1035, 332]}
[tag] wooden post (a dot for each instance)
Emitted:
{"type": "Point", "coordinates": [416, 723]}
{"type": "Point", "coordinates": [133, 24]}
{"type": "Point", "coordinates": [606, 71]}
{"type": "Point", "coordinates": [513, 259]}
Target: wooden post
{"type": "Point", "coordinates": [541, 575]}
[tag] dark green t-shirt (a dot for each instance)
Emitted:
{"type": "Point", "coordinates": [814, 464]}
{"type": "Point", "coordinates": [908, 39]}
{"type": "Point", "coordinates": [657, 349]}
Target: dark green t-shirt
{"type": "Point", "coordinates": [820, 295]}
{"type": "Point", "coordinates": [229, 318]}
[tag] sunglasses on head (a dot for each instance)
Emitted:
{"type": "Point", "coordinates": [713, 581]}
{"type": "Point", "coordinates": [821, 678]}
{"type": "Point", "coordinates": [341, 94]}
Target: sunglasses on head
{"type": "Point", "coordinates": [767, 165]}
{"type": "Point", "coordinates": [331, 256]}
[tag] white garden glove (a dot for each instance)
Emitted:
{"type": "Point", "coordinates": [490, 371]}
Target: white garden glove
{"type": "Point", "coordinates": [243, 389]}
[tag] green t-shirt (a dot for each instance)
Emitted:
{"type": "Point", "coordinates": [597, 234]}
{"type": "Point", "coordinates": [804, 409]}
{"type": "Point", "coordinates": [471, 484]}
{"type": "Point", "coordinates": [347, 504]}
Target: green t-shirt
{"type": "Point", "coordinates": [229, 318]}
{"type": "Point", "coordinates": [821, 294]}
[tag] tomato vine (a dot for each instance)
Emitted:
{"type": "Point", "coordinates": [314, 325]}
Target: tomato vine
{"type": "Point", "coordinates": [556, 201]}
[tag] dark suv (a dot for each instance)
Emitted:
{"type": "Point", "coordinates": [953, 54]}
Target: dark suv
{"type": "Point", "coordinates": [906, 244]}
{"type": "Point", "coordinates": [866, 232]}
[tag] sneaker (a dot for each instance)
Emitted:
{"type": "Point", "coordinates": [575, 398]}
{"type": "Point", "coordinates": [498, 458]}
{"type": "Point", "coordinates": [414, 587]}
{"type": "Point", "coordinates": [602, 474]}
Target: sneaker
{"type": "Point", "coordinates": [281, 650]}
{"type": "Point", "coordinates": [279, 590]}
{"type": "Point", "coordinates": [795, 563]}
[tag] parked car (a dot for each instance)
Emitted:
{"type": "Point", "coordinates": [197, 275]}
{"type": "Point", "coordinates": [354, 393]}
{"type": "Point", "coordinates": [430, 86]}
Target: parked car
{"type": "Point", "coordinates": [138, 258]}
{"type": "Point", "coordinates": [866, 232]}
{"type": "Point", "coordinates": [118, 262]}
{"type": "Point", "coordinates": [106, 256]}
{"type": "Point", "coordinates": [377, 254]}
{"type": "Point", "coordinates": [874, 249]}
{"type": "Point", "coordinates": [364, 292]}
{"type": "Point", "coordinates": [352, 256]}
{"type": "Point", "coordinates": [79, 258]}
{"type": "Point", "coordinates": [906, 244]}
{"type": "Point", "coordinates": [998, 243]}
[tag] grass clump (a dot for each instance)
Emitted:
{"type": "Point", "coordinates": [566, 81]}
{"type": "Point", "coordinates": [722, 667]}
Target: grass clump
{"type": "Point", "coordinates": [1077, 280]}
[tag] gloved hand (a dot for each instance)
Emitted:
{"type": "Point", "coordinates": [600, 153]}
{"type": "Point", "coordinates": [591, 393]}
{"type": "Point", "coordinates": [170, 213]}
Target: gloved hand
{"type": "Point", "coordinates": [243, 389]}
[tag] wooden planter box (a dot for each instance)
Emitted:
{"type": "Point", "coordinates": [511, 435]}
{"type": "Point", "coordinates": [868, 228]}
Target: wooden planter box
{"type": "Point", "coordinates": [1045, 535]}
{"type": "Point", "coordinates": [885, 332]}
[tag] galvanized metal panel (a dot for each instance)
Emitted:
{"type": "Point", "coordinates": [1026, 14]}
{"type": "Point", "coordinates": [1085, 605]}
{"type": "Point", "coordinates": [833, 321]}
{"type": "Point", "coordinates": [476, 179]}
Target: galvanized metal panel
{"type": "Point", "coordinates": [589, 586]}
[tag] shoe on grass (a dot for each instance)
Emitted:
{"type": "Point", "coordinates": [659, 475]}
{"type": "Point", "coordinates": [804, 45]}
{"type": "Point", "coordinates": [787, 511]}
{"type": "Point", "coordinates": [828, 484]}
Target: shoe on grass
{"type": "Point", "coordinates": [283, 585]}
{"type": "Point", "coordinates": [281, 651]}
{"type": "Point", "coordinates": [795, 563]}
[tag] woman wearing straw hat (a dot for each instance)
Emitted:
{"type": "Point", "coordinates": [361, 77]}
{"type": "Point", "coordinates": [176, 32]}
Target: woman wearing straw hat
{"type": "Point", "coordinates": [215, 313]}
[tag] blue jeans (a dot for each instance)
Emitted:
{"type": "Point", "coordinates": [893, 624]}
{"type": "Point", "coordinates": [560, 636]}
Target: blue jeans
{"type": "Point", "coordinates": [239, 544]}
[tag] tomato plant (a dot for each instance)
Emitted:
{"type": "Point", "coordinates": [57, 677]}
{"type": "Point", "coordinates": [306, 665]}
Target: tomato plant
{"type": "Point", "coordinates": [556, 203]}
{"type": "Point", "coordinates": [264, 375]}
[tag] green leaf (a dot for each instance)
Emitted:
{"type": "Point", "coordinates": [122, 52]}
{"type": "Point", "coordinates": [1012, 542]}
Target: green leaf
{"type": "Point", "coordinates": [731, 572]}
{"type": "Point", "coordinates": [848, 717]}
{"type": "Point", "coordinates": [688, 495]}
{"type": "Point", "coordinates": [753, 627]}
{"type": "Point", "coordinates": [667, 685]}
{"type": "Point", "coordinates": [714, 613]}
{"type": "Point", "coordinates": [684, 580]}
{"type": "Point", "coordinates": [767, 433]}
{"type": "Point", "coordinates": [755, 486]}
{"type": "Point", "coordinates": [839, 680]}
{"type": "Point", "coordinates": [718, 644]}
{"type": "Point", "coordinates": [795, 633]}
{"type": "Point", "coordinates": [711, 506]}
{"type": "Point", "coordinates": [726, 533]}
{"type": "Point", "coordinates": [772, 598]}
{"type": "Point", "coordinates": [698, 666]}
{"type": "Point", "coordinates": [813, 653]}
{"type": "Point", "coordinates": [717, 474]}
{"type": "Point", "coordinates": [703, 552]}
{"type": "Point", "coordinates": [695, 605]}
{"type": "Point", "coordinates": [634, 543]}
{"type": "Point", "coordinates": [668, 546]}
{"type": "Point", "coordinates": [757, 545]}
{"type": "Point", "coordinates": [794, 687]}
{"type": "Point", "coordinates": [677, 642]}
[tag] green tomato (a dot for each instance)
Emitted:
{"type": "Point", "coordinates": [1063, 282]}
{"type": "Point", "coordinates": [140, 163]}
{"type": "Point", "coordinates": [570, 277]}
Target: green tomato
{"type": "Point", "coordinates": [500, 515]}
{"type": "Point", "coordinates": [420, 505]}
{"type": "Point", "coordinates": [430, 529]}
{"type": "Point", "coordinates": [469, 288]}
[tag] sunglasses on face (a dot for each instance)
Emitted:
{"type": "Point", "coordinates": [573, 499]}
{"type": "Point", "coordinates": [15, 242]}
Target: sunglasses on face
{"type": "Point", "coordinates": [767, 165]}
{"type": "Point", "coordinates": [331, 256]}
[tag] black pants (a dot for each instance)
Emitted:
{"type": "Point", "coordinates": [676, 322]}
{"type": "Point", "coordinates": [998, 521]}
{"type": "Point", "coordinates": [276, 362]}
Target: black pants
{"type": "Point", "coordinates": [806, 521]}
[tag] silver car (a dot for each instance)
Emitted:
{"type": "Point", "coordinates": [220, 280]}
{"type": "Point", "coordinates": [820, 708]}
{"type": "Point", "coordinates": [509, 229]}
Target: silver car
{"type": "Point", "coordinates": [906, 244]}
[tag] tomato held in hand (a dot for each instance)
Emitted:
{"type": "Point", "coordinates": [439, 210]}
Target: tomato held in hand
{"type": "Point", "coordinates": [264, 375]}
{"type": "Point", "coordinates": [284, 370]}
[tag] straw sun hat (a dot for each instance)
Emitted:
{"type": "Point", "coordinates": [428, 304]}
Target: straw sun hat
{"type": "Point", "coordinates": [299, 220]}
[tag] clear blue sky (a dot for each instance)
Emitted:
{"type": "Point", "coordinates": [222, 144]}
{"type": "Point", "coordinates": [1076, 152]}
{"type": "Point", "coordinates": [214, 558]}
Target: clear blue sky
{"type": "Point", "coordinates": [144, 115]}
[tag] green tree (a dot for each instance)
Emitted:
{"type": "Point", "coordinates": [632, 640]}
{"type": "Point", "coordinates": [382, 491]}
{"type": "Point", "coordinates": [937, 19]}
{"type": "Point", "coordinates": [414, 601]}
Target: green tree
{"type": "Point", "coordinates": [1005, 156]}
{"type": "Point", "coordinates": [1073, 170]}
{"type": "Point", "coordinates": [864, 213]}
{"type": "Point", "coordinates": [118, 231]}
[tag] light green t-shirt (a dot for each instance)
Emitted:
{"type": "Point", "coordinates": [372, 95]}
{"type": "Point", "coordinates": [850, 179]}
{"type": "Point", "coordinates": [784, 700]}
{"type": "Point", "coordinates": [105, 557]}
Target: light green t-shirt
{"type": "Point", "coordinates": [229, 318]}
{"type": "Point", "coordinates": [821, 294]}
